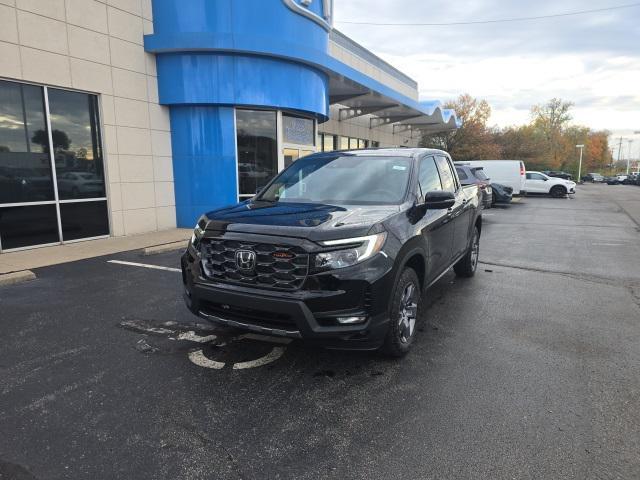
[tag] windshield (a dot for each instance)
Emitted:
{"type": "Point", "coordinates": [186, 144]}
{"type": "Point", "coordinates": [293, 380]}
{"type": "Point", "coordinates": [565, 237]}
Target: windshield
{"type": "Point", "coordinates": [343, 179]}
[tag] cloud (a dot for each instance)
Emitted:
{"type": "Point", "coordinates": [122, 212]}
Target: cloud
{"type": "Point", "coordinates": [592, 60]}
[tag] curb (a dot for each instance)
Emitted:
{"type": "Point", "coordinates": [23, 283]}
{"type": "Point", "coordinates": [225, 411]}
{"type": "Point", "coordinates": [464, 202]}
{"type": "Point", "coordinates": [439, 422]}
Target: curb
{"type": "Point", "coordinates": [16, 277]}
{"type": "Point", "coordinates": [167, 247]}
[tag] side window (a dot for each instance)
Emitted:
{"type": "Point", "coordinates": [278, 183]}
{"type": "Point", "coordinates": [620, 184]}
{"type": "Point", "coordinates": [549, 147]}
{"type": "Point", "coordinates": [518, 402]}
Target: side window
{"type": "Point", "coordinates": [461, 173]}
{"type": "Point", "coordinates": [428, 176]}
{"type": "Point", "coordinates": [528, 176]}
{"type": "Point", "coordinates": [534, 176]}
{"type": "Point", "coordinates": [446, 175]}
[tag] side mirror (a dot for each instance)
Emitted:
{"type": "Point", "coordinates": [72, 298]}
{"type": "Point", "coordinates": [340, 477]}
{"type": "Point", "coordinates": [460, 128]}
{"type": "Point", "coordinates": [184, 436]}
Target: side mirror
{"type": "Point", "coordinates": [439, 200]}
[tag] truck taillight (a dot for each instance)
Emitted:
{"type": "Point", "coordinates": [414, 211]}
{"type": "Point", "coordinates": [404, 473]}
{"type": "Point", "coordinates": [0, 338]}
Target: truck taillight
{"type": "Point", "coordinates": [522, 171]}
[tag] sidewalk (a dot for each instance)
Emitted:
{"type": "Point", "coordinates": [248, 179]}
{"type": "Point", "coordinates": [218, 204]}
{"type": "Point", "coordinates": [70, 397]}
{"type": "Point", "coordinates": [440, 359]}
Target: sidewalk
{"type": "Point", "coordinates": [43, 257]}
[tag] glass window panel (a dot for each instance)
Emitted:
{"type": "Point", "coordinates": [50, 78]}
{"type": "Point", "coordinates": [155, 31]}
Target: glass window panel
{"type": "Point", "coordinates": [446, 175]}
{"type": "Point", "coordinates": [76, 144]}
{"type": "Point", "coordinates": [257, 149]}
{"type": "Point", "coordinates": [84, 220]}
{"type": "Point", "coordinates": [353, 143]}
{"type": "Point", "coordinates": [298, 130]}
{"type": "Point", "coordinates": [362, 143]}
{"type": "Point", "coordinates": [304, 153]}
{"type": "Point", "coordinates": [25, 166]}
{"type": "Point", "coordinates": [290, 156]}
{"type": "Point", "coordinates": [328, 143]}
{"type": "Point", "coordinates": [428, 176]}
{"type": "Point", "coordinates": [28, 226]}
{"type": "Point", "coordinates": [344, 143]}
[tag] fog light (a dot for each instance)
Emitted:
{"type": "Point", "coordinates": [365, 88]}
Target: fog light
{"type": "Point", "coordinates": [350, 320]}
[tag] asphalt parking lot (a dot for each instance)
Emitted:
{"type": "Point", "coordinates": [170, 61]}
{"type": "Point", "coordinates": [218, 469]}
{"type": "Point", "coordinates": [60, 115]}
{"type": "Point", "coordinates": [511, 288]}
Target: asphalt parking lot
{"type": "Point", "coordinates": [529, 370]}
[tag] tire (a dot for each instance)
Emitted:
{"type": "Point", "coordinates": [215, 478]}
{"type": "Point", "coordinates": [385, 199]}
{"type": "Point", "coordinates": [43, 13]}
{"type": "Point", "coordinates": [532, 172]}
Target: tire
{"type": "Point", "coordinates": [403, 314]}
{"type": "Point", "coordinates": [467, 265]}
{"type": "Point", "coordinates": [558, 191]}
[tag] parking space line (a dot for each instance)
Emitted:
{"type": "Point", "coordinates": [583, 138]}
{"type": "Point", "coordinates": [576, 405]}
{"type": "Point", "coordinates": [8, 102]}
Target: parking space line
{"type": "Point", "coordinates": [145, 265]}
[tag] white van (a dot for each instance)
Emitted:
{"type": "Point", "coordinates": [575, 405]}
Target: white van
{"type": "Point", "coordinates": [511, 173]}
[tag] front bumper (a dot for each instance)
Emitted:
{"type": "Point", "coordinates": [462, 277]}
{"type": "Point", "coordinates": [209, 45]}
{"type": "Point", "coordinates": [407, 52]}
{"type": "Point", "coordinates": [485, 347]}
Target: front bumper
{"type": "Point", "coordinates": [310, 315]}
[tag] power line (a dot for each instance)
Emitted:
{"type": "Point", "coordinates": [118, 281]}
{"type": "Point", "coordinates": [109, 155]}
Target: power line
{"type": "Point", "coordinates": [502, 20]}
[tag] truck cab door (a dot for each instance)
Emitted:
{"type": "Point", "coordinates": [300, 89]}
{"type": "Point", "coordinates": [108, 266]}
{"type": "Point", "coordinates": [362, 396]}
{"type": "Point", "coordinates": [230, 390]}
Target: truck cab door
{"type": "Point", "coordinates": [436, 227]}
{"type": "Point", "coordinates": [460, 213]}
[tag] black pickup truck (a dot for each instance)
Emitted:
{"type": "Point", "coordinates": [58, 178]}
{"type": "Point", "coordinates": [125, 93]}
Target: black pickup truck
{"type": "Point", "coordinates": [337, 250]}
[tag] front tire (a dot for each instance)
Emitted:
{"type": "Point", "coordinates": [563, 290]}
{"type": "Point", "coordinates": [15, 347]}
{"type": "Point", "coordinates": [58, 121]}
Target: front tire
{"type": "Point", "coordinates": [558, 191]}
{"type": "Point", "coordinates": [467, 265]}
{"type": "Point", "coordinates": [403, 314]}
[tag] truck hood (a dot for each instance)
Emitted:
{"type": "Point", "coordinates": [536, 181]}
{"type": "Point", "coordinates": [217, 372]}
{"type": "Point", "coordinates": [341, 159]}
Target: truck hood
{"type": "Point", "coordinates": [311, 221]}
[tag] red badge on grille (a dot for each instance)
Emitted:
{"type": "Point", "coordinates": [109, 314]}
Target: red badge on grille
{"type": "Point", "coordinates": [283, 255]}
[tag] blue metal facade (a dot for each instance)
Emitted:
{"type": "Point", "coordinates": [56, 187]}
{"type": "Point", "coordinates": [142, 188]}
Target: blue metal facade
{"type": "Point", "coordinates": [213, 55]}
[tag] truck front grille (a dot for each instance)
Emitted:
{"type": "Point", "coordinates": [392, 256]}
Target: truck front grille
{"type": "Point", "coordinates": [279, 267]}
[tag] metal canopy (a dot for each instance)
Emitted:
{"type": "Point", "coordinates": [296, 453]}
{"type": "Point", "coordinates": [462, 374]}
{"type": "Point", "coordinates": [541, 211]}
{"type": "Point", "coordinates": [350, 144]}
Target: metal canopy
{"type": "Point", "coordinates": [358, 100]}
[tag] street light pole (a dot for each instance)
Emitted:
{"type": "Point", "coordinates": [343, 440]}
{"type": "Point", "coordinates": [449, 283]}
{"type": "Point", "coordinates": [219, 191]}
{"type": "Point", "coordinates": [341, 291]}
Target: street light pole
{"type": "Point", "coordinates": [581, 147]}
{"type": "Point", "coordinates": [629, 157]}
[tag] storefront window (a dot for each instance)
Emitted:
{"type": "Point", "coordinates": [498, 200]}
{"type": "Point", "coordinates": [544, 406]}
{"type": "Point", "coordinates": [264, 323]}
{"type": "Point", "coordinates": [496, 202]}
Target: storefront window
{"type": "Point", "coordinates": [298, 130]}
{"type": "Point", "coordinates": [257, 149]}
{"type": "Point", "coordinates": [76, 145]}
{"type": "Point", "coordinates": [25, 165]}
{"type": "Point", "coordinates": [344, 143]}
{"type": "Point", "coordinates": [328, 143]}
{"type": "Point", "coordinates": [29, 214]}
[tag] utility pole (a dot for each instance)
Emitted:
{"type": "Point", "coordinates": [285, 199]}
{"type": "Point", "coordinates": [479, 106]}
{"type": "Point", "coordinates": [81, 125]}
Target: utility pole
{"type": "Point", "coordinates": [619, 149]}
{"type": "Point", "coordinates": [629, 157]}
{"type": "Point", "coordinates": [581, 147]}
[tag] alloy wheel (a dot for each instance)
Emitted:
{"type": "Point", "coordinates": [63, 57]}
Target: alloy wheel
{"type": "Point", "coordinates": [408, 313]}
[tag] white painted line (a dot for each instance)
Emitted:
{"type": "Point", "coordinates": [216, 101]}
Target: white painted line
{"type": "Point", "coordinates": [609, 244]}
{"type": "Point", "coordinates": [272, 356]}
{"type": "Point", "coordinates": [145, 265]}
{"type": "Point", "coordinates": [193, 337]}
{"type": "Point", "coordinates": [199, 359]}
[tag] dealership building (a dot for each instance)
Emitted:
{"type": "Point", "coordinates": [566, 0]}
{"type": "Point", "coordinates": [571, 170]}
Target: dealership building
{"type": "Point", "coordinates": [120, 117]}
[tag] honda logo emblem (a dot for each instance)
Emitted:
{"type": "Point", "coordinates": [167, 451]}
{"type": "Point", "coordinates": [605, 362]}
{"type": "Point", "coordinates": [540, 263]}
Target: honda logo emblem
{"type": "Point", "coordinates": [245, 259]}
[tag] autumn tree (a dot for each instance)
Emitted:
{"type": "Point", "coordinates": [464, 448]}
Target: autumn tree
{"type": "Point", "coordinates": [473, 140]}
{"type": "Point", "coordinates": [550, 121]}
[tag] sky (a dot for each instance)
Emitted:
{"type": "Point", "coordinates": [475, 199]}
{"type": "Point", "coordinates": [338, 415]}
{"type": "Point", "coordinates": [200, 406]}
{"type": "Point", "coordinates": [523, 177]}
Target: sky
{"type": "Point", "coordinates": [592, 60]}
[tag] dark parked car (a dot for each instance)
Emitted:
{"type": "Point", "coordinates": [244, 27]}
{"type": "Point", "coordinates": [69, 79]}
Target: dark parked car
{"type": "Point", "coordinates": [337, 249]}
{"type": "Point", "coordinates": [563, 175]}
{"type": "Point", "coordinates": [593, 178]}
{"type": "Point", "coordinates": [631, 179]}
{"type": "Point", "coordinates": [501, 193]}
{"type": "Point", "coordinates": [612, 180]}
{"type": "Point", "coordinates": [469, 175]}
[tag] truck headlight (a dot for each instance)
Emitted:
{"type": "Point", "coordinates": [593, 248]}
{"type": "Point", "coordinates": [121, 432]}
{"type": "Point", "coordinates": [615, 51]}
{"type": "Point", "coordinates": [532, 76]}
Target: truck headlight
{"type": "Point", "coordinates": [359, 249]}
{"type": "Point", "coordinates": [198, 232]}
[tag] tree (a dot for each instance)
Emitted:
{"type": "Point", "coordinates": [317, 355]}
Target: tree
{"type": "Point", "coordinates": [473, 140]}
{"type": "Point", "coordinates": [550, 121]}
{"type": "Point", "coordinates": [61, 140]}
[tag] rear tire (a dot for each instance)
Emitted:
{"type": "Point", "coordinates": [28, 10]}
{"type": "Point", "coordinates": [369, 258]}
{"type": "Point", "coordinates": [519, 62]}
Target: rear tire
{"type": "Point", "coordinates": [467, 265]}
{"type": "Point", "coordinates": [558, 192]}
{"type": "Point", "coordinates": [403, 314]}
